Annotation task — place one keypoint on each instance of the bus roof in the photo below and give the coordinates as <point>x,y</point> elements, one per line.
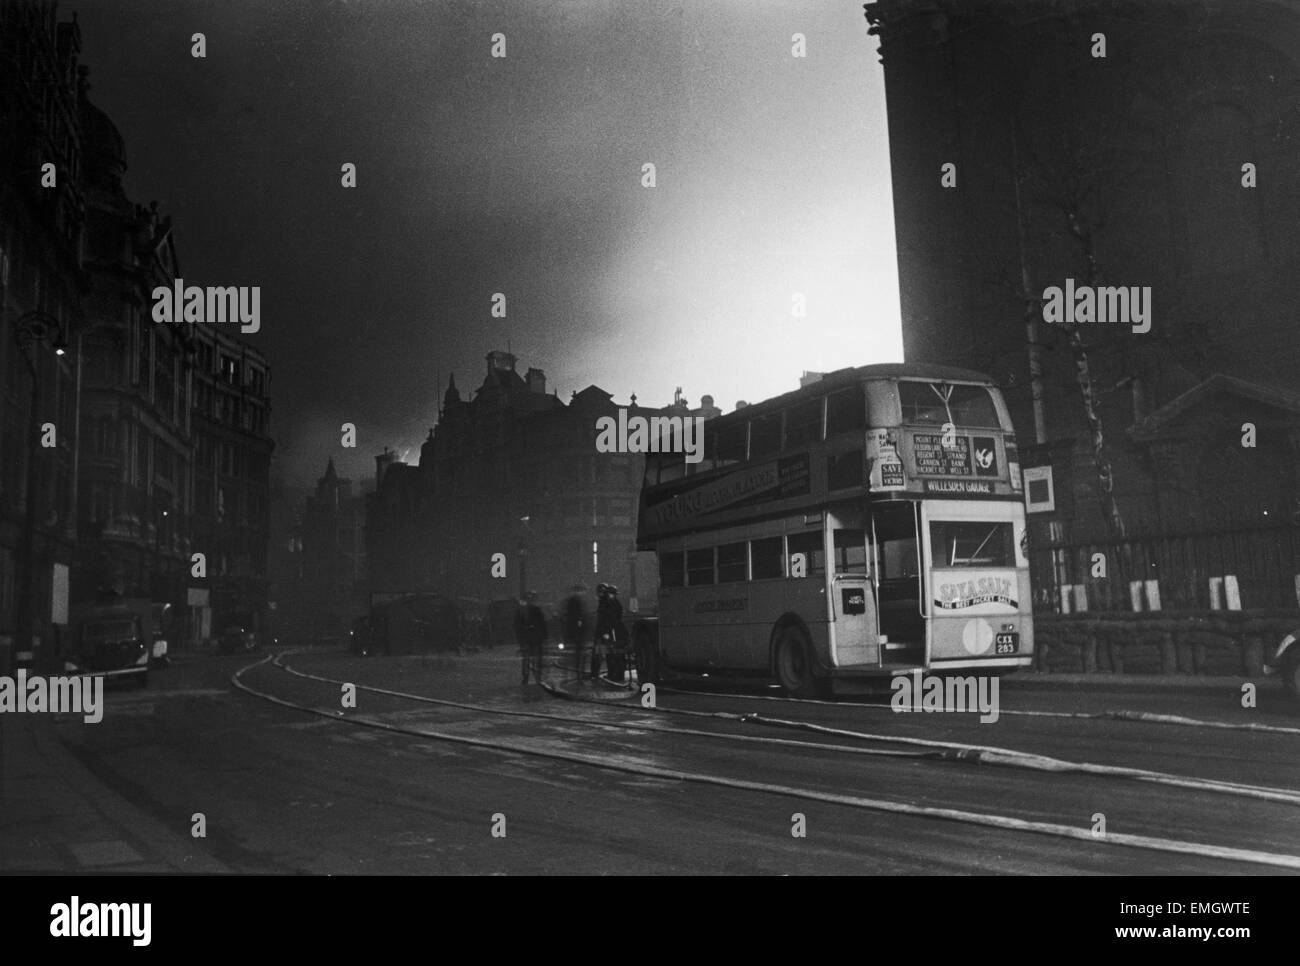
<point>858,374</point>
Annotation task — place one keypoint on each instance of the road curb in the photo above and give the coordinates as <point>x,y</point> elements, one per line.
<point>1141,682</point>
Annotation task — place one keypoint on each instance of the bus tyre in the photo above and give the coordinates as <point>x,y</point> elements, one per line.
<point>792,655</point>
<point>1291,670</point>
<point>646,653</point>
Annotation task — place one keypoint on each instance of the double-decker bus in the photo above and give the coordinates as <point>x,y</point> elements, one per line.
<point>868,524</point>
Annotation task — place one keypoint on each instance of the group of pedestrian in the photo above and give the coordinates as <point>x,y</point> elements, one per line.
<point>607,637</point>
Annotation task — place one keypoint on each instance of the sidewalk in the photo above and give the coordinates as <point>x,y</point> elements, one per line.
<point>55,816</point>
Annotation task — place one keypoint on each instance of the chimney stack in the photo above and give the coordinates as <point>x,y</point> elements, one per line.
<point>382,462</point>
<point>500,360</point>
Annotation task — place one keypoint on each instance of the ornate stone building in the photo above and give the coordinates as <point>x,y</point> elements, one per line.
<point>161,445</point>
<point>513,475</point>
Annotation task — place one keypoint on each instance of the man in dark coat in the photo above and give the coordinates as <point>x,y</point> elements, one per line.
<point>531,634</point>
<point>613,631</point>
<point>576,624</point>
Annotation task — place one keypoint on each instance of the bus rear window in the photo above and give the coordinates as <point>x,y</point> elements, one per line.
<point>954,544</point>
<point>935,403</point>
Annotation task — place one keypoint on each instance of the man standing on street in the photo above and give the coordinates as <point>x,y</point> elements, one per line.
<point>531,635</point>
<point>576,624</point>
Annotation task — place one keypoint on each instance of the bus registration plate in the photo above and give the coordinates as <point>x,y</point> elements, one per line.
<point>1006,643</point>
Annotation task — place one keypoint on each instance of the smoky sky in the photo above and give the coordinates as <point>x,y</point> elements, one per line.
<point>520,175</point>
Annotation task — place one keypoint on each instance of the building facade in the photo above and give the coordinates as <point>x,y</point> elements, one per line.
<point>331,590</point>
<point>1109,145</point>
<point>42,220</point>
<point>161,447</point>
<point>511,494</point>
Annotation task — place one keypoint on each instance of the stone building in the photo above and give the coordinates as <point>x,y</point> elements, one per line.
<point>42,220</point>
<point>332,591</point>
<point>1107,144</point>
<point>510,493</point>
<point>162,430</point>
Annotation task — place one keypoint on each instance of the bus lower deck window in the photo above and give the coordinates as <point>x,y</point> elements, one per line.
<point>850,551</point>
<point>766,554</point>
<point>954,544</point>
<point>733,562</point>
<point>810,545</point>
<point>672,568</point>
<point>699,567</point>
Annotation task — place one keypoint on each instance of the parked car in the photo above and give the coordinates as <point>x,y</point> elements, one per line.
<point>112,642</point>
<point>1285,662</point>
<point>237,638</point>
<point>162,627</point>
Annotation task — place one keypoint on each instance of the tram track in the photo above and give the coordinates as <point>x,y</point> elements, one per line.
<point>934,752</point>
<point>930,749</point>
<point>1143,717</point>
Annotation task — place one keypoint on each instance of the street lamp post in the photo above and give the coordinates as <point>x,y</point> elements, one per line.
<point>31,330</point>
<point>523,557</point>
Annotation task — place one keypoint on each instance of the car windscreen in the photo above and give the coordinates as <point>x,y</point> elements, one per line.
<point>110,629</point>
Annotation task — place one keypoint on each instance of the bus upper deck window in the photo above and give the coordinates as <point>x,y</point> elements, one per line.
<point>729,444</point>
<point>846,411</point>
<point>672,467</point>
<point>844,470</point>
<point>803,424</point>
<point>935,403</point>
<point>765,436</point>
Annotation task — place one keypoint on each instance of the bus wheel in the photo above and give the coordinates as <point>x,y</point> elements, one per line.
<point>1291,671</point>
<point>793,659</point>
<point>646,653</point>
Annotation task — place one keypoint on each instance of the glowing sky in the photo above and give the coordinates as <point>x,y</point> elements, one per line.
<point>519,175</point>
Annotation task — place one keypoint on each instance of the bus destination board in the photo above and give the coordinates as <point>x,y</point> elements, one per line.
<point>933,458</point>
